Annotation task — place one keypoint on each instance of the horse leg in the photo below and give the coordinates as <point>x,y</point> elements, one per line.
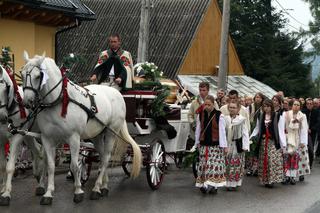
<point>74,143</point>
<point>101,185</point>
<point>38,163</point>
<point>50,149</point>
<point>15,141</point>
<point>3,162</point>
<point>107,152</point>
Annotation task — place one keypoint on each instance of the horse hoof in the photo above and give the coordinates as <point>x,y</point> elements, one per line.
<point>95,195</point>
<point>46,201</point>
<point>104,192</point>
<point>77,198</point>
<point>40,191</point>
<point>4,201</point>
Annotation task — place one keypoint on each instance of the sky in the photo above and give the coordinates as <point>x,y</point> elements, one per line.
<point>298,9</point>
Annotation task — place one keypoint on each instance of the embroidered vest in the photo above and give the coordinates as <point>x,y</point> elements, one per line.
<point>211,135</point>
<point>273,129</point>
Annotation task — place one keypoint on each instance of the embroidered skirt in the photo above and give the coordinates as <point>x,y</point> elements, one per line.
<point>304,165</point>
<point>291,164</point>
<point>235,169</point>
<point>270,163</point>
<point>211,169</point>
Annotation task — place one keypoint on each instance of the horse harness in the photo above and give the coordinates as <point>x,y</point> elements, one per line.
<point>7,104</point>
<point>91,112</point>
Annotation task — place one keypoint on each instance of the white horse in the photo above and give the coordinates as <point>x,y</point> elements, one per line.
<point>9,109</point>
<point>42,83</point>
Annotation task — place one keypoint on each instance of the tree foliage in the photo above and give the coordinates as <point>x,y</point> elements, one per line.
<point>314,26</point>
<point>267,52</point>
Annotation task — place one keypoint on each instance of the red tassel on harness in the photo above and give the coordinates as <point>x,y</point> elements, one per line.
<point>65,96</point>
<point>22,110</point>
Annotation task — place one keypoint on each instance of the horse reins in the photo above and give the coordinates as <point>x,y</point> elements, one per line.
<point>40,106</point>
<point>37,91</point>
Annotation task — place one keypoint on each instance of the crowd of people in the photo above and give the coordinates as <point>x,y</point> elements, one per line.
<point>275,139</point>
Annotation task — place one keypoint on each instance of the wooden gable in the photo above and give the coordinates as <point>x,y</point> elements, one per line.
<point>203,54</point>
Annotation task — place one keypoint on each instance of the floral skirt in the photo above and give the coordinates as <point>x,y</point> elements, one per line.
<point>252,164</point>
<point>235,169</point>
<point>211,169</point>
<point>270,163</point>
<point>304,165</point>
<point>291,164</point>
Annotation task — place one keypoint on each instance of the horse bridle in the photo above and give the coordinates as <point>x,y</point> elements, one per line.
<point>37,91</point>
<point>31,87</point>
<point>7,103</point>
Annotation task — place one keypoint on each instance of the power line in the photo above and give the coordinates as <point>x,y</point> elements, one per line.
<point>293,27</point>
<point>291,15</point>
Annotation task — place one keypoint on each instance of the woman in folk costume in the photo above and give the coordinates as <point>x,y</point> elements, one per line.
<point>238,142</point>
<point>255,110</point>
<point>210,137</point>
<point>296,158</point>
<point>271,138</point>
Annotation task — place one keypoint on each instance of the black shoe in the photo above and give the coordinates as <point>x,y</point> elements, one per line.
<point>270,186</point>
<point>292,181</point>
<point>286,181</point>
<point>249,173</point>
<point>203,190</point>
<point>301,178</point>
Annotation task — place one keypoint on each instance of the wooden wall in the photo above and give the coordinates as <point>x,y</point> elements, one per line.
<point>203,54</point>
<point>23,35</point>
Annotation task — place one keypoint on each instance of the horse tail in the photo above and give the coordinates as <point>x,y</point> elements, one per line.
<point>137,156</point>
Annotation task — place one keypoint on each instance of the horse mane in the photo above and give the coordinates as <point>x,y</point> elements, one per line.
<point>49,62</point>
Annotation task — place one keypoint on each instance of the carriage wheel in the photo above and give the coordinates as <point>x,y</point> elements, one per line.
<point>85,165</point>
<point>156,164</point>
<point>195,165</point>
<point>127,164</point>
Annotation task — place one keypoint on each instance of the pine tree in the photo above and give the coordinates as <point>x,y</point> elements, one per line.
<point>267,52</point>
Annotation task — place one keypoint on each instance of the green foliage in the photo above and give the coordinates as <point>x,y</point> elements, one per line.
<point>5,58</point>
<point>317,86</point>
<point>190,158</point>
<point>158,104</point>
<point>71,59</point>
<point>314,26</point>
<point>267,52</point>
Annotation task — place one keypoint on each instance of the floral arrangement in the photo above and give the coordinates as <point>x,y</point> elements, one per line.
<point>149,71</point>
<point>71,59</point>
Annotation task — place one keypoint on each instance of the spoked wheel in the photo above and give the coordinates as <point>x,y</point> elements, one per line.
<point>195,165</point>
<point>127,164</point>
<point>156,164</point>
<point>85,166</point>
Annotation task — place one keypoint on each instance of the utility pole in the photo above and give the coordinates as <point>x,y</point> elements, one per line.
<point>224,56</point>
<point>144,31</point>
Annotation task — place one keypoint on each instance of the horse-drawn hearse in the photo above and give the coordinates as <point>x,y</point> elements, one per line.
<point>63,112</point>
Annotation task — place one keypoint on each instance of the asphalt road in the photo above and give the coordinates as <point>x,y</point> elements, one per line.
<point>177,194</point>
